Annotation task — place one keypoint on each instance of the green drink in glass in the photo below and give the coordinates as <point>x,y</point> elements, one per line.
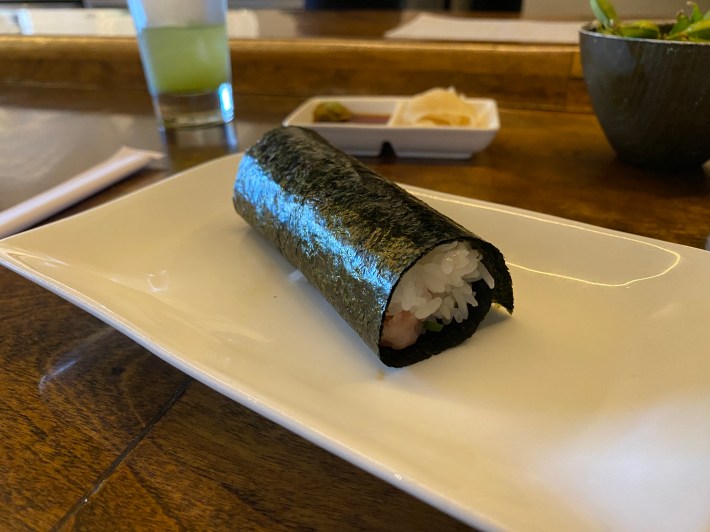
<point>186,61</point>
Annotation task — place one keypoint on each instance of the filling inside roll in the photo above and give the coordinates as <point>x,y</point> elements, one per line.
<point>435,291</point>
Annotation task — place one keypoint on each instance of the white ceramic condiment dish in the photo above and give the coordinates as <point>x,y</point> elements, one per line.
<point>367,138</point>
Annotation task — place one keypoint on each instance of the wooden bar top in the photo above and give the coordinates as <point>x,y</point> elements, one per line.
<point>328,52</point>
<point>98,433</point>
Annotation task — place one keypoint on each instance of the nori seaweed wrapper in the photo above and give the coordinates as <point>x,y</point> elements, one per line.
<point>353,234</point>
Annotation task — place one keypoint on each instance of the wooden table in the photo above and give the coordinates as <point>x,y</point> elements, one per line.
<point>98,433</point>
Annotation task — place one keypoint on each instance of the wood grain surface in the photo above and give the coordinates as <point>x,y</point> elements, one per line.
<point>76,394</point>
<point>97,433</point>
<point>331,53</point>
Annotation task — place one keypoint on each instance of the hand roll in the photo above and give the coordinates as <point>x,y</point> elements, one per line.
<point>410,281</point>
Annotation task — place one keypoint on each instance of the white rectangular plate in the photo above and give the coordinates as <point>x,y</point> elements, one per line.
<point>442,142</point>
<point>587,409</point>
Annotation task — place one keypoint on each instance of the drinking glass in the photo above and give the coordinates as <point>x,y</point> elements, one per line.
<point>184,49</point>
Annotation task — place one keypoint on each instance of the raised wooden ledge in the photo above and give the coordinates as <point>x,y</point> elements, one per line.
<point>517,75</point>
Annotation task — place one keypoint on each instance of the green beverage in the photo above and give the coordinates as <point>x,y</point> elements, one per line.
<point>189,73</point>
<point>187,59</point>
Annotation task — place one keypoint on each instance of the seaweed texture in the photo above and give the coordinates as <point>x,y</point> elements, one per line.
<point>353,233</point>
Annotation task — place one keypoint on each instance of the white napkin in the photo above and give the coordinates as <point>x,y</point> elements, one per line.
<point>120,165</point>
<point>447,28</point>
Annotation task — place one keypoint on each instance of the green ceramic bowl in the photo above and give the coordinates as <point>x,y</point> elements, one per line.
<point>651,97</point>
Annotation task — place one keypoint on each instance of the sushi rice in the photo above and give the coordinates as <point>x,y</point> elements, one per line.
<point>435,291</point>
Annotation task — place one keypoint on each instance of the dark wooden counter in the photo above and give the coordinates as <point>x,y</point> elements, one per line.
<point>97,433</point>
<point>524,76</point>
<point>334,53</point>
